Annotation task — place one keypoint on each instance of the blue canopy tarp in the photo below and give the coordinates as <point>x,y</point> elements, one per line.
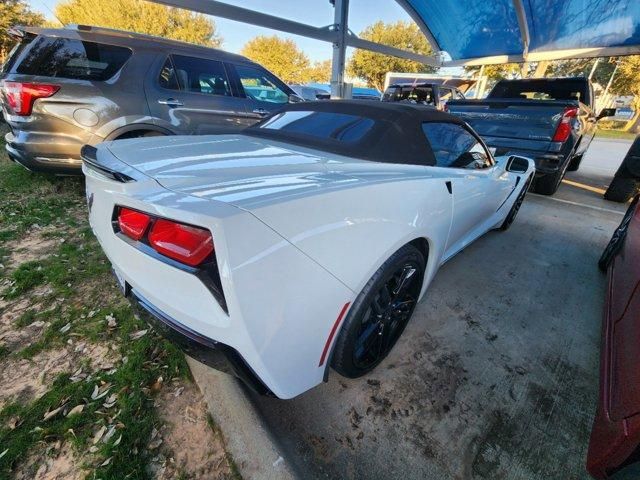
<point>515,30</point>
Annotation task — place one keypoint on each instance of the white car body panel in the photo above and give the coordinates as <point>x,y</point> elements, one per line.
<point>297,234</point>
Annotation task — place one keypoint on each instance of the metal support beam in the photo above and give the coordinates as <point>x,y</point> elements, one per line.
<point>245,15</point>
<point>341,27</point>
<point>325,34</point>
<point>524,27</point>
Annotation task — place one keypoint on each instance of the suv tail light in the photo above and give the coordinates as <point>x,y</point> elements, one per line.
<point>564,128</point>
<point>184,243</point>
<point>21,96</point>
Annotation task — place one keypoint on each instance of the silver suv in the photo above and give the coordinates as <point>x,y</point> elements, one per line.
<point>63,88</point>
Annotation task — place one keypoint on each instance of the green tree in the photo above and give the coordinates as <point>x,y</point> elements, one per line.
<point>142,17</point>
<point>280,56</point>
<point>320,72</point>
<point>372,67</point>
<point>627,82</point>
<point>14,12</point>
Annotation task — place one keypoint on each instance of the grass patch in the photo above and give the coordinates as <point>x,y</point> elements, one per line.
<point>615,134</point>
<point>147,359</point>
<point>76,261</point>
<point>75,288</point>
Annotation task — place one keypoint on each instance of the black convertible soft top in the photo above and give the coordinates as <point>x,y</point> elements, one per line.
<point>370,130</point>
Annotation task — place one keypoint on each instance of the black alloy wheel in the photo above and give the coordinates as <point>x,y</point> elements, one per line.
<point>380,313</point>
<point>515,208</point>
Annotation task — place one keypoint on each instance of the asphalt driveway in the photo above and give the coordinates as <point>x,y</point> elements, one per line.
<point>496,376</point>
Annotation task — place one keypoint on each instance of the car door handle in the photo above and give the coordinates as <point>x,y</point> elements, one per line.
<point>260,111</point>
<point>171,102</point>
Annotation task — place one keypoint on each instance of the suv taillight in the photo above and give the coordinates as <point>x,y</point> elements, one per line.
<point>564,127</point>
<point>20,96</point>
<point>185,243</point>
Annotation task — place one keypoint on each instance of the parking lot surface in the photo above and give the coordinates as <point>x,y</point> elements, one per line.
<point>496,375</point>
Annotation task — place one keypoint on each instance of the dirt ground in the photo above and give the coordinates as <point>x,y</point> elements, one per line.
<point>87,389</point>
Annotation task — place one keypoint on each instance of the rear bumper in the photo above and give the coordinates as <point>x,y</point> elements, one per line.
<point>209,352</point>
<point>45,153</point>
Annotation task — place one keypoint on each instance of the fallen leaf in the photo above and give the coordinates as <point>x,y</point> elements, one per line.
<point>75,410</point>
<point>98,436</point>
<point>106,462</point>
<point>138,334</point>
<point>4,453</point>
<point>109,434</point>
<point>178,391</point>
<point>155,444</point>
<point>52,413</point>
<point>117,442</point>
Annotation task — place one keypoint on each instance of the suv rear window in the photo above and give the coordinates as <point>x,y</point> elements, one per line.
<point>15,53</point>
<point>75,59</point>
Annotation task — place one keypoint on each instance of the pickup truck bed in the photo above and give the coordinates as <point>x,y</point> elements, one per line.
<point>554,133</point>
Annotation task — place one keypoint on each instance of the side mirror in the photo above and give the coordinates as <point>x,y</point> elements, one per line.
<point>293,98</point>
<point>517,164</point>
<point>607,112</point>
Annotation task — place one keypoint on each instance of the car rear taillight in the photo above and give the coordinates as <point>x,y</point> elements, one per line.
<point>564,127</point>
<point>21,96</point>
<point>132,223</point>
<point>184,243</point>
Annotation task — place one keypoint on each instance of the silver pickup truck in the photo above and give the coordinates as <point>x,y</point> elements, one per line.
<point>551,120</point>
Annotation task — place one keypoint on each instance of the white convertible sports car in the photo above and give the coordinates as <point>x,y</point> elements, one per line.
<point>301,243</point>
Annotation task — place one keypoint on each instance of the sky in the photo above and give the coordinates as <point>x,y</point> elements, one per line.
<point>313,12</point>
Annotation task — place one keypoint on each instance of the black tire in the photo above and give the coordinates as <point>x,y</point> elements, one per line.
<point>617,239</point>
<point>515,208</point>
<point>621,189</point>
<point>574,164</point>
<point>379,314</point>
<point>547,184</point>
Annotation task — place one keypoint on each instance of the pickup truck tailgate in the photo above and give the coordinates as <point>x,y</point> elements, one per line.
<point>509,123</point>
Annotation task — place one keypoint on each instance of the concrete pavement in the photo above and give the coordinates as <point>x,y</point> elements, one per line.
<point>496,375</point>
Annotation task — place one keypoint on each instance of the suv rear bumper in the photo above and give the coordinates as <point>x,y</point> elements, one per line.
<point>45,154</point>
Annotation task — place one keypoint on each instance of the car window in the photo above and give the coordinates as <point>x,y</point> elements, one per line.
<point>445,96</point>
<point>260,85</point>
<point>453,146</point>
<point>75,59</point>
<point>541,89</point>
<point>325,125</point>
<point>168,78</point>
<point>15,52</point>
<point>199,75</point>
<point>422,95</point>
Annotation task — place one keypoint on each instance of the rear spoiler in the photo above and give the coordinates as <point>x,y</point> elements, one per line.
<point>110,167</point>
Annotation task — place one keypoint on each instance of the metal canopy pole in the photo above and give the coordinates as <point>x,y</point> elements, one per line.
<point>338,62</point>
<point>524,27</point>
<point>326,34</point>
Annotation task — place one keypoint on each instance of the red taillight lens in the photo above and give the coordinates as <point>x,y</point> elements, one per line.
<point>564,128</point>
<point>133,223</point>
<point>186,244</point>
<point>21,96</point>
